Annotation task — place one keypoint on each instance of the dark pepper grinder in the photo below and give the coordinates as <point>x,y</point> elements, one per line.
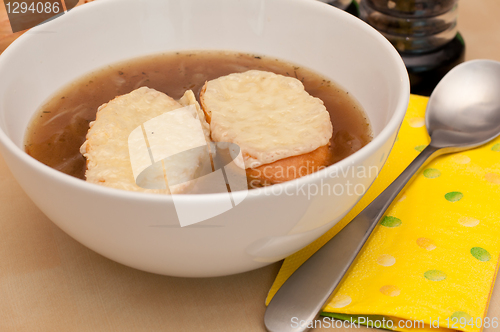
<point>349,6</point>
<point>425,34</point>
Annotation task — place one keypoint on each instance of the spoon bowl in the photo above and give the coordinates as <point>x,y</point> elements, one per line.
<point>464,109</point>
<point>463,112</point>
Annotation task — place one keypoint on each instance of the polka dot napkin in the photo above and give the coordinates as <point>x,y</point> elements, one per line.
<point>433,259</point>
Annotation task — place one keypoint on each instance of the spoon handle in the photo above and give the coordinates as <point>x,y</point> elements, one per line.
<point>301,298</point>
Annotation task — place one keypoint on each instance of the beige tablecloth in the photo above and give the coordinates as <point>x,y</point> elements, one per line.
<point>49,282</point>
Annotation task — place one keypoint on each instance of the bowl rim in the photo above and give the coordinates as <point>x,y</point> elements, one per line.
<point>389,128</point>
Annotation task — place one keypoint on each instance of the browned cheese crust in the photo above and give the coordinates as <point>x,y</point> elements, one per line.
<point>285,169</point>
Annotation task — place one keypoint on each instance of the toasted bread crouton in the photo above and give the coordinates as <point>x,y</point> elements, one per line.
<point>273,119</point>
<point>119,130</point>
<point>288,169</point>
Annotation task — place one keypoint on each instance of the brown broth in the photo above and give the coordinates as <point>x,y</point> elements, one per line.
<point>59,127</point>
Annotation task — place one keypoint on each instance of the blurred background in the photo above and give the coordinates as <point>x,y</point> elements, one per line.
<point>478,23</point>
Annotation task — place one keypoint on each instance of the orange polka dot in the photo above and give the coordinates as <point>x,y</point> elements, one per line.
<point>416,122</point>
<point>493,178</point>
<point>460,159</point>
<point>340,301</point>
<point>386,260</point>
<point>390,290</point>
<point>468,221</point>
<point>426,243</point>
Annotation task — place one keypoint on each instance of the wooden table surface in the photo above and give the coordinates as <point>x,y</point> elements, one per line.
<point>50,282</point>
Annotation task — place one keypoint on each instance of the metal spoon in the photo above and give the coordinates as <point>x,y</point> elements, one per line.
<point>463,112</point>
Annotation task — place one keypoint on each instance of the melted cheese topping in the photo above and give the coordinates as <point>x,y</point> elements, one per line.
<point>270,116</point>
<point>115,141</point>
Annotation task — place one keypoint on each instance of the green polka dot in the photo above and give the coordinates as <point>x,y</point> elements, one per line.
<point>460,314</point>
<point>496,147</point>
<point>435,275</point>
<point>454,196</point>
<point>432,173</point>
<point>420,148</point>
<point>391,221</point>
<point>480,254</point>
<point>397,139</point>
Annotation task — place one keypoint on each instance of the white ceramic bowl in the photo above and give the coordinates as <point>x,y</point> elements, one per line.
<point>141,230</point>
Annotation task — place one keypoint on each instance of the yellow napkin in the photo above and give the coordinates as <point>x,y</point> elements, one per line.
<point>433,259</point>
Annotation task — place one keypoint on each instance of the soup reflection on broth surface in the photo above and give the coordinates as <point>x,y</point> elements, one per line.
<point>59,127</point>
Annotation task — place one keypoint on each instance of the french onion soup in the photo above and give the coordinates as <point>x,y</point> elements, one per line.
<point>288,121</point>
